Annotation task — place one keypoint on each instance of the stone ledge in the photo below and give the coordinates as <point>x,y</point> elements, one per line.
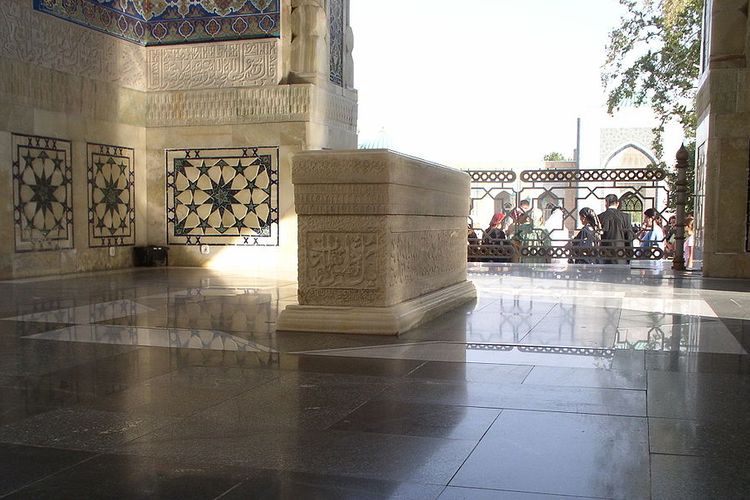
<point>376,320</point>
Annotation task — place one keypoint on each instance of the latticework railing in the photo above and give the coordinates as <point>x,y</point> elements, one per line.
<point>566,190</point>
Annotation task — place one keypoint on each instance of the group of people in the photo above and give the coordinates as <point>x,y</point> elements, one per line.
<point>613,228</point>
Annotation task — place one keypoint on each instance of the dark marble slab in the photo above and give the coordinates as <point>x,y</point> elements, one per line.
<point>22,465</point>
<point>456,493</point>
<point>81,429</point>
<point>521,396</point>
<point>350,366</point>
<point>685,478</point>
<point>472,372</point>
<point>290,485</point>
<point>414,459</point>
<point>727,439</point>
<point>699,362</point>
<point>699,396</point>
<point>295,400</point>
<point>413,419</point>
<point>563,454</point>
<point>587,377</point>
<point>122,476</point>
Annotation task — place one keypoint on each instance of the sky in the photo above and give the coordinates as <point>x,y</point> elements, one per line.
<point>469,82</point>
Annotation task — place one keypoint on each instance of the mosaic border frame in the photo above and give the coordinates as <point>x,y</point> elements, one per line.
<point>64,146</point>
<point>251,239</point>
<point>167,28</point>
<point>120,152</point>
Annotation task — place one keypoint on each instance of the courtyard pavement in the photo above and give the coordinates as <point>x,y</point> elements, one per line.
<point>559,381</point>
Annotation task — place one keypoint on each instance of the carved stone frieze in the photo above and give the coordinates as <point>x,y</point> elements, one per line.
<point>41,40</point>
<point>217,65</point>
<point>229,106</point>
<point>341,199</point>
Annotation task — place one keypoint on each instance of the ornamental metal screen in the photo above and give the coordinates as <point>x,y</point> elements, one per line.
<point>541,209</point>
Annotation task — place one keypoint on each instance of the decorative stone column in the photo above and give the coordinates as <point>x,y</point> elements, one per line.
<point>382,242</point>
<point>678,262</point>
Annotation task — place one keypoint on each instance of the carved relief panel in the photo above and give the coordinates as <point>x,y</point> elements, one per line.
<point>341,260</point>
<point>111,193</point>
<point>42,193</point>
<point>223,196</point>
<point>237,64</point>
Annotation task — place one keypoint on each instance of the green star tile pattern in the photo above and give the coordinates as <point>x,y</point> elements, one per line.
<point>111,192</point>
<point>223,196</point>
<point>42,193</point>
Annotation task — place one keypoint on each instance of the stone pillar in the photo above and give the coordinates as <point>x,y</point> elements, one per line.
<point>382,242</point>
<point>723,139</point>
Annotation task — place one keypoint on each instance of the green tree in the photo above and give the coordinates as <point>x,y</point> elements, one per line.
<point>555,156</point>
<point>653,59</point>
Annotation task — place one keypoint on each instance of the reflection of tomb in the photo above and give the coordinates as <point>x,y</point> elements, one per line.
<point>237,310</point>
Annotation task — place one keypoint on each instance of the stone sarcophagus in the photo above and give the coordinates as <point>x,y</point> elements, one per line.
<point>382,242</point>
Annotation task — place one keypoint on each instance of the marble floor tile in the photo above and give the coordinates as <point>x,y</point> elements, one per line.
<point>563,454</point>
<point>699,396</point>
<point>294,400</point>
<point>685,478</point>
<point>587,377</point>
<point>457,493</point>
<point>24,465</point>
<point>521,397</point>
<point>81,429</point>
<point>412,459</point>
<point>271,485</point>
<point>414,419</point>
<point>122,476</point>
<point>471,372</point>
<point>700,438</point>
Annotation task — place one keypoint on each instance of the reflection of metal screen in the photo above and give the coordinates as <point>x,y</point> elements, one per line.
<point>632,205</point>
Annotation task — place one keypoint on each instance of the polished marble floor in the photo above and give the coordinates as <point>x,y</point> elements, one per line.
<point>559,381</point>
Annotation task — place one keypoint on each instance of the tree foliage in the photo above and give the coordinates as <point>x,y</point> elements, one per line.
<point>555,156</point>
<point>653,59</point>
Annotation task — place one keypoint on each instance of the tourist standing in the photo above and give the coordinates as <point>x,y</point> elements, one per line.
<point>587,239</point>
<point>651,235</point>
<point>689,240</point>
<point>617,231</point>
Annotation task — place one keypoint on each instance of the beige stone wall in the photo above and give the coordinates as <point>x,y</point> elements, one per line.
<point>61,80</point>
<point>723,105</point>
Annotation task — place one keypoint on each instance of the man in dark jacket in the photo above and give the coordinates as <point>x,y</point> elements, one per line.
<point>617,231</point>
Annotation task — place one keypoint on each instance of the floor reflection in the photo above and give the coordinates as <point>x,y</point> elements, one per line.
<point>152,337</point>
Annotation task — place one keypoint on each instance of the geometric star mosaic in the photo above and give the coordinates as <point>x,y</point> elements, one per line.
<point>166,22</point>
<point>223,196</point>
<point>111,192</point>
<point>42,193</point>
